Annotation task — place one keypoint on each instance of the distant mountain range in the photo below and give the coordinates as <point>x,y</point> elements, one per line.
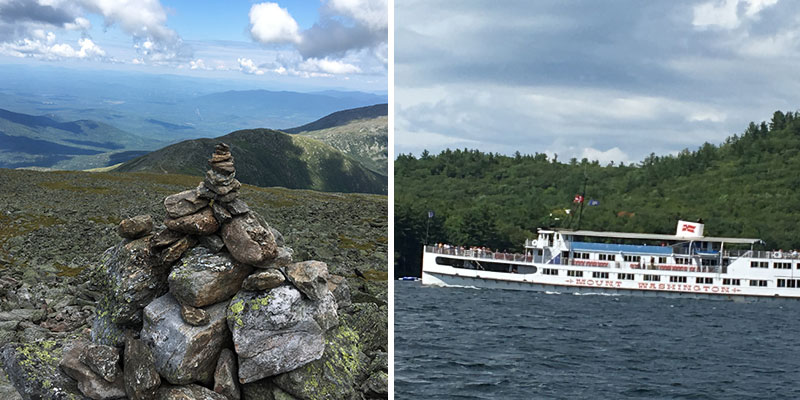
<point>266,157</point>
<point>41,141</point>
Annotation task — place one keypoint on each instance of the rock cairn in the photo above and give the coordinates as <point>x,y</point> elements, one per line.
<point>212,306</point>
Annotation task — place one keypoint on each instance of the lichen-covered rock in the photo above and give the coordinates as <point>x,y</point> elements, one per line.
<point>33,370</point>
<point>105,331</point>
<point>264,280</point>
<point>141,379</point>
<point>184,203</point>
<point>225,376</point>
<point>371,323</point>
<point>184,353</point>
<point>102,360</point>
<point>341,290</point>
<point>90,383</point>
<point>194,316</point>
<point>273,332</point>
<point>325,314</point>
<point>220,213</point>
<point>199,223</point>
<point>135,227</point>
<point>204,278</point>
<point>248,241</point>
<point>133,276</point>
<point>188,392</point>
<point>311,277</point>
<point>237,207</point>
<point>335,376</point>
<point>165,237</point>
<point>264,390</point>
<point>376,386</point>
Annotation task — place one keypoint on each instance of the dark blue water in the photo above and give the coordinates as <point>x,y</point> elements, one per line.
<point>456,343</point>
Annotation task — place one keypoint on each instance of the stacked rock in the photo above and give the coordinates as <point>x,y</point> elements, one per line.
<point>207,304</point>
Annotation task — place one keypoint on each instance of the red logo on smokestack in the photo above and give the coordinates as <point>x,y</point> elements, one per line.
<point>688,228</point>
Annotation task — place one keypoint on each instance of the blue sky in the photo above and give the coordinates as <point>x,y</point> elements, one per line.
<point>606,80</point>
<point>328,43</point>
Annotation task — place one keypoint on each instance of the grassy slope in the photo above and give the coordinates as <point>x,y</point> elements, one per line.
<point>364,139</point>
<point>268,158</point>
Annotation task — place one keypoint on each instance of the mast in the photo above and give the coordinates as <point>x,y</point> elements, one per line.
<point>583,197</point>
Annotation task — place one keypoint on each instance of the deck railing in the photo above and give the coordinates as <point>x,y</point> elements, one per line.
<point>481,254</point>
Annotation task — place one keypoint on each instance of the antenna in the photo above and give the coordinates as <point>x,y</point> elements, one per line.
<point>583,195</point>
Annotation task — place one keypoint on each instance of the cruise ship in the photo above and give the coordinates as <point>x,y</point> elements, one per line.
<point>687,264</point>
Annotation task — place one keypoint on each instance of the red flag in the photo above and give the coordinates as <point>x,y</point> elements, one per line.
<point>578,199</point>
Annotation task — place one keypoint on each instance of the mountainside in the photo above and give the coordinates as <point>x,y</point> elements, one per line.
<point>40,141</point>
<point>342,118</point>
<point>365,140</point>
<point>745,187</point>
<point>268,158</point>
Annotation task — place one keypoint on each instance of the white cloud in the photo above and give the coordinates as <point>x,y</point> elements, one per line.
<point>198,64</point>
<point>269,23</point>
<point>373,13</point>
<point>43,46</point>
<point>614,154</point>
<point>247,66</point>
<point>327,66</point>
<point>724,14</point>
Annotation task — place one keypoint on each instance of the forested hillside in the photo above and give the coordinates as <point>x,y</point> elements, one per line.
<point>746,186</point>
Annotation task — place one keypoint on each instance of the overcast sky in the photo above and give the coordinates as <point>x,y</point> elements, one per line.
<point>328,43</point>
<point>607,80</point>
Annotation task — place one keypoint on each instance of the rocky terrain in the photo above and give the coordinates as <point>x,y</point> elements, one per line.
<point>67,300</point>
<point>365,140</point>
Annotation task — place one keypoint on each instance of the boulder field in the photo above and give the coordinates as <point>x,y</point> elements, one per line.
<point>211,305</point>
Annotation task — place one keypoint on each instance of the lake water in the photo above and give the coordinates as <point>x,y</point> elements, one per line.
<point>461,343</point>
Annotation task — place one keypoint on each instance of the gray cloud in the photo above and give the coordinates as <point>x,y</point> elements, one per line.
<point>566,76</point>
<point>332,38</point>
<point>15,11</point>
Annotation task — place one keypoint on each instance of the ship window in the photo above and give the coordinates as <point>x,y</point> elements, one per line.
<point>781,282</point>
<point>574,273</point>
<point>549,271</point>
<point>627,277</point>
<point>782,265</point>
<point>791,283</point>
<point>539,252</point>
<point>602,275</point>
<point>681,260</point>
<point>759,264</point>
<point>677,279</point>
<point>756,282</point>
<point>607,257</point>
<point>707,281</point>
<point>629,258</point>
<point>662,260</point>
<point>731,282</point>
<point>656,278</point>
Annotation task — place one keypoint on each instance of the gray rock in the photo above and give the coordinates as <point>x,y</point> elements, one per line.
<point>376,386</point>
<point>223,167</point>
<point>325,314</point>
<point>141,379</point>
<point>227,198</point>
<point>220,213</point>
<point>273,332</point>
<point>311,277</point>
<point>335,375</point>
<point>225,376</point>
<point>188,392</point>
<point>212,242</point>
<point>264,390</point>
<point>224,190</point>
<point>184,203</point>
<point>184,353</point>
<point>204,192</point>
<point>264,280</point>
<point>33,370</point>
<point>204,278</point>
<point>132,276</point>
<point>90,383</point>
<point>217,179</point>
<point>341,290</point>
<point>135,227</point>
<point>103,360</point>
<point>199,223</point>
<point>248,241</point>
<point>238,207</point>
<point>194,316</point>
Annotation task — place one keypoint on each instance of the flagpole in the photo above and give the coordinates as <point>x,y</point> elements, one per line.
<point>583,198</point>
<point>427,225</point>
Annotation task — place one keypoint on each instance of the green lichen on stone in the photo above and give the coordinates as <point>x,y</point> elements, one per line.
<point>259,302</point>
<point>40,361</point>
<point>235,316</point>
